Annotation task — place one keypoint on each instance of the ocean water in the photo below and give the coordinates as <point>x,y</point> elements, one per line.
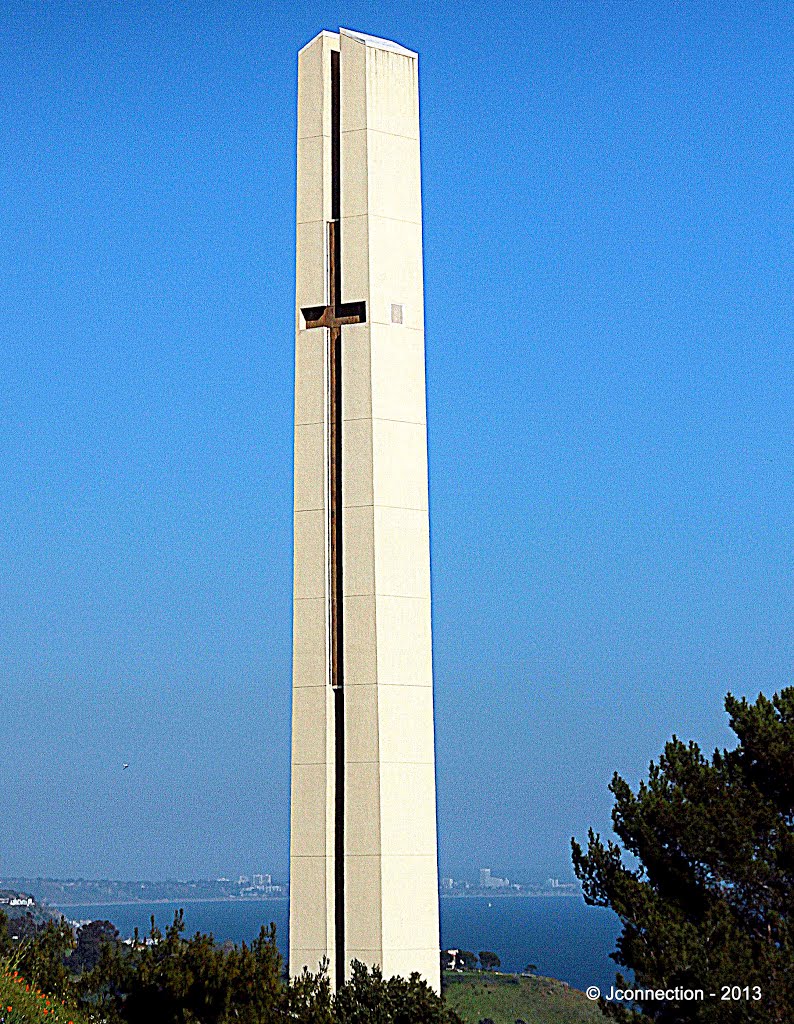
<point>564,937</point>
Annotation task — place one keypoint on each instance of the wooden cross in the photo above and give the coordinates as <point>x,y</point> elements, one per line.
<point>334,316</point>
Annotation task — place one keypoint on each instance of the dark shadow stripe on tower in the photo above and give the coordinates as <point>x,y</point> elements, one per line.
<point>336,526</point>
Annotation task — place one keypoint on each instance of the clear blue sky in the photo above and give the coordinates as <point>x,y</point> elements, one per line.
<point>608,264</point>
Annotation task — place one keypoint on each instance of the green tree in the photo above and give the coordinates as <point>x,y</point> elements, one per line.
<point>489,960</point>
<point>467,960</point>
<point>20,929</point>
<point>368,998</point>
<point>90,939</point>
<point>42,958</point>
<point>6,943</point>
<point>173,980</point>
<point>309,999</point>
<point>102,989</point>
<point>707,900</point>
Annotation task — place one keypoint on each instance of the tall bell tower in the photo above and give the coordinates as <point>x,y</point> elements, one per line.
<point>363,853</point>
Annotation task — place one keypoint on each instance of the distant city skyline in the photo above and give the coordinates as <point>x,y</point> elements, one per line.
<point>475,878</point>
<point>60,894</point>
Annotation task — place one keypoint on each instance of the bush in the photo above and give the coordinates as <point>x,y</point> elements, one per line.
<point>168,979</point>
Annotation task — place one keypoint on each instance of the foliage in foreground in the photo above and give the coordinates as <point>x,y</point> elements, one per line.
<point>171,980</point>
<point>709,905</point>
<point>39,958</point>
<point>23,1003</point>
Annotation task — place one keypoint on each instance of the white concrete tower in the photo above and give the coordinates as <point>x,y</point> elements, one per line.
<point>363,858</point>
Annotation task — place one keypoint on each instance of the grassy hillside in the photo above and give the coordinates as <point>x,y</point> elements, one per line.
<point>22,1003</point>
<point>507,998</point>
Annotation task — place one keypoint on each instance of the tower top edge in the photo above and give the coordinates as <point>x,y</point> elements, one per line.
<point>377,43</point>
<point>374,41</point>
<point>332,37</point>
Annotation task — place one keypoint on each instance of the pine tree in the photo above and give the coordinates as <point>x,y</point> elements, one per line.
<point>709,903</point>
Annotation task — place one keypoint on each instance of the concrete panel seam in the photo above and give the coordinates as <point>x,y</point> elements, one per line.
<point>388,323</point>
<point>391,856</point>
<point>380,504</point>
<point>382,760</point>
<point>380,131</point>
<point>378,216</point>
<point>402,686</point>
<point>380,419</point>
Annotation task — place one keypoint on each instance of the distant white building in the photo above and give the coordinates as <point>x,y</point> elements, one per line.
<point>489,881</point>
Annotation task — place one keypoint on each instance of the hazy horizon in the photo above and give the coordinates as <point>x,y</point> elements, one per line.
<point>537,879</point>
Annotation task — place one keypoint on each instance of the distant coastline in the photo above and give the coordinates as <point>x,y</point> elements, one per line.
<point>67,894</point>
<point>522,895</point>
<point>63,905</point>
